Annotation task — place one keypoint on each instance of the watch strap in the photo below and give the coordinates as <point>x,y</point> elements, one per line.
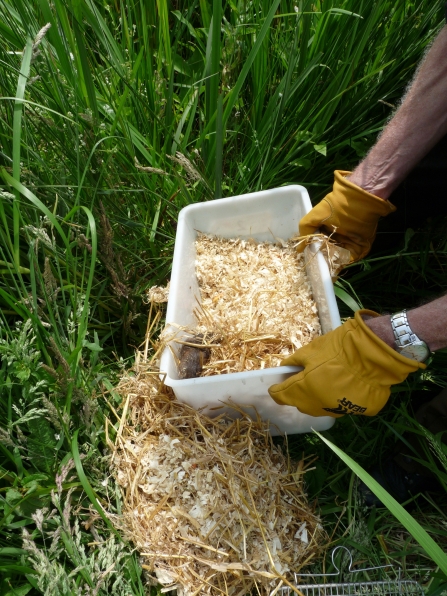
<point>403,335</point>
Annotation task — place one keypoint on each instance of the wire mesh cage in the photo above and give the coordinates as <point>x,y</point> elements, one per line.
<point>383,587</point>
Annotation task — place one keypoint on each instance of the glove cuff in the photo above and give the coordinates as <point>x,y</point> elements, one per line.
<point>400,365</point>
<point>376,205</point>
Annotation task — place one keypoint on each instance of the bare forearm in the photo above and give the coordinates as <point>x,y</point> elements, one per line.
<point>419,123</point>
<point>428,322</point>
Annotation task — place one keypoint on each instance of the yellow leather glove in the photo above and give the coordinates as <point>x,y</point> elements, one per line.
<point>347,371</point>
<point>352,211</point>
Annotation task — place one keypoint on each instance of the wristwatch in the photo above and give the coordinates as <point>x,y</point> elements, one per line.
<point>408,343</point>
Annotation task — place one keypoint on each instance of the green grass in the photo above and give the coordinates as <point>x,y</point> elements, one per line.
<point>123,114</point>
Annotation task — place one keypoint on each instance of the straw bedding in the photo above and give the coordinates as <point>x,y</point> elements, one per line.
<point>256,303</point>
<point>212,505</point>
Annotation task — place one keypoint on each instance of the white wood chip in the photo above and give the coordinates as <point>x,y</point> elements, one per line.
<point>212,505</point>
<point>256,301</point>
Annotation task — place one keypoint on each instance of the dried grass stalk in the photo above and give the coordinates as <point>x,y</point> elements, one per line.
<point>211,504</point>
<point>255,299</point>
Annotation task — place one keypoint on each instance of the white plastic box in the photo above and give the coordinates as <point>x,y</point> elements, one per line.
<point>262,216</point>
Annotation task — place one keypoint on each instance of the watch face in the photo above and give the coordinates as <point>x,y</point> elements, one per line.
<point>419,352</point>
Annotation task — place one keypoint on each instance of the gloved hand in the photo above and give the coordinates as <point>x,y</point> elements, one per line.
<point>347,371</point>
<point>352,211</point>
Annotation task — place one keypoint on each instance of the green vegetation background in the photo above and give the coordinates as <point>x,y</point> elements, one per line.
<point>117,117</point>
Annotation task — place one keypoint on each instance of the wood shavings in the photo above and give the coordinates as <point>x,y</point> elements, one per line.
<point>335,256</point>
<point>212,505</point>
<point>158,294</point>
<point>255,299</point>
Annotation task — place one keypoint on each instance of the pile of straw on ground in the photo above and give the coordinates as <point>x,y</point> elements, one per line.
<point>212,506</point>
<point>256,302</point>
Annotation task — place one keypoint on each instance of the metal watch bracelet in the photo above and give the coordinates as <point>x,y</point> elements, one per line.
<point>403,335</point>
<point>408,343</point>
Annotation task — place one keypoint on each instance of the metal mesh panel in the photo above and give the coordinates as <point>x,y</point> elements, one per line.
<point>377,588</point>
<point>387,587</point>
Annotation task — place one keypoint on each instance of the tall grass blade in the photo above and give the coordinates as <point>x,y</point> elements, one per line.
<point>219,150</point>
<point>234,93</point>
<point>56,40</point>
<point>86,70</point>
<point>406,519</point>
<point>205,13</point>
<point>259,72</point>
<point>212,72</point>
<point>346,298</point>
<point>17,186</point>
<point>16,141</point>
<point>212,77</point>
<point>163,15</point>
<point>86,484</point>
